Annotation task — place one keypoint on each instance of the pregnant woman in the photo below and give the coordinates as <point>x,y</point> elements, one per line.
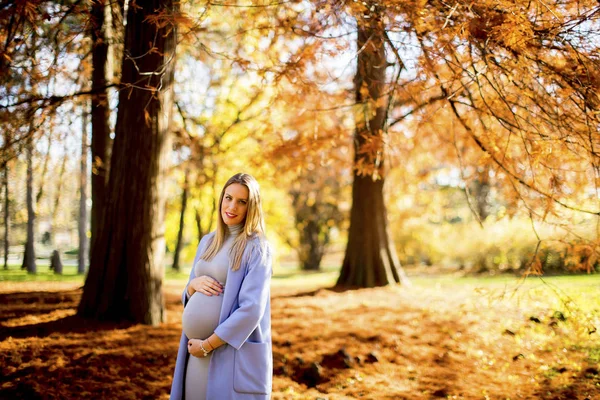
<point>225,348</point>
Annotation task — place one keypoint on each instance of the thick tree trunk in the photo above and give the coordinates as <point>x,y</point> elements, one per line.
<point>126,270</point>
<point>100,112</point>
<point>184,197</point>
<point>6,215</point>
<point>29,254</point>
<point>370,259</point>
<point>82,222</point>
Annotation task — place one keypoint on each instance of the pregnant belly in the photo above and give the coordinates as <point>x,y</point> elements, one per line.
<point>201,315</point>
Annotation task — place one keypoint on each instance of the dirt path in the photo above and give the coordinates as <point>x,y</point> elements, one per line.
<point>386,343</point>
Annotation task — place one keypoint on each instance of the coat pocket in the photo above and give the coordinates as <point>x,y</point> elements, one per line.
<point>252,371</point>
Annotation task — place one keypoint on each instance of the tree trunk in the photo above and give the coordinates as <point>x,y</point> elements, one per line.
<point>184,197</point>
<point>40,193</point>
<point>6,215</point>
<point>55,263</point>
<point>59,191</point>
<point>126,270</point>
<point>199,224</point>
<point>82,222</point>
<point>312,248</point>
<point>100,112</point>
<point>29,254</point>
<point>481,192</point>
<point>370,259</point>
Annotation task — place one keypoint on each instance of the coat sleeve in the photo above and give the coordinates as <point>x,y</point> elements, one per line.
<point>252,299</point>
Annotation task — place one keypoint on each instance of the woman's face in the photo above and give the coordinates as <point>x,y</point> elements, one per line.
<point>235,204</point>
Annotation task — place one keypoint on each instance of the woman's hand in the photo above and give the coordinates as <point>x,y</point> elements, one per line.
<point>195,347</point>
<point>205,285</point>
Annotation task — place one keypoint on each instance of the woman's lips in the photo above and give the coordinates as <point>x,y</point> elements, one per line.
<point>230,215</point>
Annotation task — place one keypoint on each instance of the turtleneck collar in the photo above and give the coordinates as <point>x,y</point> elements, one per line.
<point>235,230</point>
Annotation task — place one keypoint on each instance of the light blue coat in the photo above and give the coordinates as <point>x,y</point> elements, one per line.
<point>242,369</point>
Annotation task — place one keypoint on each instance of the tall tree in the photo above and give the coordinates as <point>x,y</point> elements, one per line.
<point>126,270</point>
<point>178,246</point>
<point>481,188</point>
<point>29,254</point>
<point>57,196</point>
<point>6,213</point>
<point>370,258</point>
<point>82,221</point>
<point>100,111</point>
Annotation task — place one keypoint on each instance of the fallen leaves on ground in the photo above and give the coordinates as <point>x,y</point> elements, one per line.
<point>382,343</point>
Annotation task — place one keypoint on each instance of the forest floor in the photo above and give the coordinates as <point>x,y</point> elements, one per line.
<point>439,338</point>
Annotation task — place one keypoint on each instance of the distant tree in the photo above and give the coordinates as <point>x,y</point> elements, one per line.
<point>57,196</point>
<point>316,204</point>
<point>481,188</point>
<point>184,197</point>
<point>56,264</point>
<point>29,253</point>
<point>6,216</point>
<point>83,215</point>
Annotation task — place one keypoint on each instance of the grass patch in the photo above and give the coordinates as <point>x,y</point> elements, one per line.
<point>14,273</point>
<point>44,274</point>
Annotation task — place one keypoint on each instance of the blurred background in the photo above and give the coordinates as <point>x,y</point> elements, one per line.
<point>487,146</point>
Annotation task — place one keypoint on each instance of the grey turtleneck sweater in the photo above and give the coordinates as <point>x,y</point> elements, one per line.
<point>201,314</point>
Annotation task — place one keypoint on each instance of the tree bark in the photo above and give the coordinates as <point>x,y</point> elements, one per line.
<point>100,112</point>
<point>184,197</point>
<point>29,254</point>
<point>126,270</point>
<point>6,215</point>
<point>82,222</point>
<point>370,258</point>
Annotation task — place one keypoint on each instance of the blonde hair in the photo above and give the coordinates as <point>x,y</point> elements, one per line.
<point>254,223</point>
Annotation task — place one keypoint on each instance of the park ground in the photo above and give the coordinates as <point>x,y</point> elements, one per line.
<point>441,337</point>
